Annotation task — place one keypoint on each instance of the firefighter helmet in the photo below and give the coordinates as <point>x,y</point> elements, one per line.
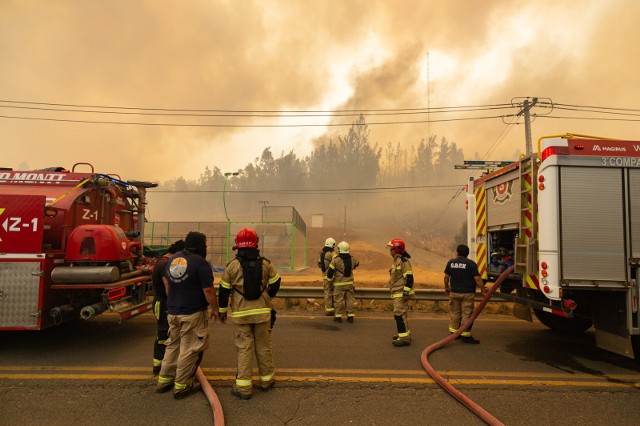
<point>343,247</point>
<point>398,245</point>
<point>247,238</point>
<point>330,242</point>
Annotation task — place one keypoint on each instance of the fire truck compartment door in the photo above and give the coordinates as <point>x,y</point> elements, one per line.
<point>634,206</point>
<point>503,201</point>
<point>21,223</point>
<point>592,227</point>
<point>19,294</point>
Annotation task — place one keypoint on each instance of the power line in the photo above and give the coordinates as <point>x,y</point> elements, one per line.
<point>566,117</point>
<point>373,123</point>
<point>241,112</point>
<point>315,191</point>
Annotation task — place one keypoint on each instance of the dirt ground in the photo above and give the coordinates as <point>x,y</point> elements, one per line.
<point>369,247</point>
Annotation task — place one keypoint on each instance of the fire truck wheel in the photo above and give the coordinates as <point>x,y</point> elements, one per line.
<point>563,324</point>
<point>635,342</point>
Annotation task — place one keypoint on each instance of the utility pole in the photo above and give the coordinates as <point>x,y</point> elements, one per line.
<point>526,107</point>
<point>428,100</point>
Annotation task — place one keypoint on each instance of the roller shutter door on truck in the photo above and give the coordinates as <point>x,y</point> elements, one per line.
<point>592,224</point>
<point>634,205</point>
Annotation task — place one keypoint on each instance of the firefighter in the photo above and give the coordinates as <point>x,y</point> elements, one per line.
<point>160,305</point>
<point>401,285</point>
<point>188,279</point>
<point>326,256</point>
<point>340,274</point>
<point>461,277</point>
<point>250,281</point>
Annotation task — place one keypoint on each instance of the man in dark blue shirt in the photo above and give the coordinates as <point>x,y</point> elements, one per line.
<point>461,277</point>
<point>188,280</point>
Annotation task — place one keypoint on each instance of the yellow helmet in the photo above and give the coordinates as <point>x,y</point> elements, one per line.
<point>330,242</point>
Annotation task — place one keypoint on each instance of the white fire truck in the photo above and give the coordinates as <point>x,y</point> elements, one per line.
<point>568,219</point>
<point>70,247</point>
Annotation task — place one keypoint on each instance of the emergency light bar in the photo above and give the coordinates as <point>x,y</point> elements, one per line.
<point>479,164</point>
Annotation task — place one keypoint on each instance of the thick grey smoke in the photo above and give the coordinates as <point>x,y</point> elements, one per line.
<point>282,55</point>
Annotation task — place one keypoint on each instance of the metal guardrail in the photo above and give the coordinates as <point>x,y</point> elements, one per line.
<point>371,293</point>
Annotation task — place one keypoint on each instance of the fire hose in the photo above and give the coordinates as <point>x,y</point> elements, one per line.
<point>216,407</point>
<point>464,400</point>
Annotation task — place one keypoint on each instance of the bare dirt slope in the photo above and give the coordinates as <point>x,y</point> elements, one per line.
<point>369,247</point>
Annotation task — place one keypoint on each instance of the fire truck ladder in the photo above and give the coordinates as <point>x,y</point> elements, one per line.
<point>526,243</point>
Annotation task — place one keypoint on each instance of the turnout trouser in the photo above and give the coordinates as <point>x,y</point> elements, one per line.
<point>344,300</point>
<point>253,339</point>
<point>159,345</point>
<point>188,339</point>
<point>400,315</point>
<point>328,295</point>
<point>461,309</point>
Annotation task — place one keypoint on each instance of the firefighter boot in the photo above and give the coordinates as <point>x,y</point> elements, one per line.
<point>164,384</point>
<point>401,342</point>
<point>268,387</point>
<point>470,339</point>
<point>179,394</point>
<point>236,392</point>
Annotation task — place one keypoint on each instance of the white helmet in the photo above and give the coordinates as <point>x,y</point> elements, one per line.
<point>343,247</point>
<point>330,242</point>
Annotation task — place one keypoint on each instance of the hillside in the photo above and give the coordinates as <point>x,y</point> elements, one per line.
<point>369,247</point>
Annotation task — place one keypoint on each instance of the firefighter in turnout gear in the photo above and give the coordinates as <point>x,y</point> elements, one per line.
<point>188,279</point>
<point>461,277</point>
<point>401,285</point>
<point>248,283</point>
<point>340,274</point>
<point>160,305</point>
<point>326,256</point>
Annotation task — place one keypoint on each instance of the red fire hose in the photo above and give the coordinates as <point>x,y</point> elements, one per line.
<point>475,408</point>
<point>216,407</point>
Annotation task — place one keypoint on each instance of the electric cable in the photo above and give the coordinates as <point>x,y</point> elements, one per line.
<point>464,400</point>
<point>278,112</point>
<point>228,125</point>
<point>316,191</point>
<point>266,114</point>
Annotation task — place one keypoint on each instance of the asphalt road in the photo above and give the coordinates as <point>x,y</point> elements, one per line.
<point>99,372</point>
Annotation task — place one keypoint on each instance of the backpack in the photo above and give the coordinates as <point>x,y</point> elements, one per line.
<point>252,274</point>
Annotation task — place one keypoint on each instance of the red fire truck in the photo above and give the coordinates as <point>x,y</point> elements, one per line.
<point>568,219</point>
<point>70,247</point>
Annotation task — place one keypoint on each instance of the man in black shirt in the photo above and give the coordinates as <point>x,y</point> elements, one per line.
<point>461,277</point>
<point>188,279</point>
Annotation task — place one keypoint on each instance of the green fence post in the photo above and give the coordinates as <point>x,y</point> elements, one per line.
<point>228,239</point>
<point>293,246</point>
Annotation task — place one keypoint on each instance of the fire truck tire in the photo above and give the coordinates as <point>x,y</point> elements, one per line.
<point>563,324</point>
<point>635,343</point>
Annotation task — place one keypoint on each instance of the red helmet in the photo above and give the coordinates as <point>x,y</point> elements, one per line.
<point>397,244</point>
<point>247,238</point>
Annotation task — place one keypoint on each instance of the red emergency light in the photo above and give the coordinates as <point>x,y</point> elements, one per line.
<point>554,150</point>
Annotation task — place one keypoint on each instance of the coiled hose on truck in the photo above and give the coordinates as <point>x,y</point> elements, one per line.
<point>475,408</point>
<point>216,407</point>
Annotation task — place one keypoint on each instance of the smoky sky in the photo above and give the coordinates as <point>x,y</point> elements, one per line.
<point>269,55</point>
